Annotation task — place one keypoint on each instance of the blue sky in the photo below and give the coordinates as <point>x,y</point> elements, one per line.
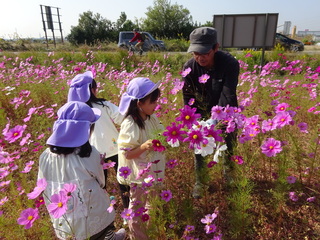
<point>23,17</point>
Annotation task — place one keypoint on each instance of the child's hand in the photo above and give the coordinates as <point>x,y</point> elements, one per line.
<point>147,145</point>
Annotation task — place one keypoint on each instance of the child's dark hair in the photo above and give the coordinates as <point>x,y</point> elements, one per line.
<point>133,109</point>
<point>93,98</point>
<point>83,151</point>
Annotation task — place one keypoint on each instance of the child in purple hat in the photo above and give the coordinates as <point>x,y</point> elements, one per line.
<point>75,179</point>
<point>104,137</point>
<point>136,152</point>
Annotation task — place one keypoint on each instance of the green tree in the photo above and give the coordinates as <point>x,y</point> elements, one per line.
<point>123,24</point>
<point>91,29</point>
<point>168,20</point>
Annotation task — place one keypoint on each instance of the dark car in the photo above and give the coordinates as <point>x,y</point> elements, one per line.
<point>150,43</point>
<point>289,43</point>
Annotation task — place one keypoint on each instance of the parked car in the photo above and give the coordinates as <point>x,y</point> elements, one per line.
<point>289,43</point>
<point>150,44</point>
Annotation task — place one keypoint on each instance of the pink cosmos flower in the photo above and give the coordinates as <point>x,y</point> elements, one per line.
<point>127,214</point>
<point>237,159</point>
<point>208,219</point>
<point>188,116</point>
<point>268,125</point>
<point>166,195</point>
<point>271,147</point>
<point>41,186</point>
<point>293,196</point>
<point>58,205</point>
<point>157,146</point>
<point>3,200</point>
<point>14,133</point>
<point>215,133</point>
<point>217,112</point>
<point>211,228</point>
<point>28,167</point>
<point>108,165</point>
<point>204,78</point>
<point>124,172</point>
<point>191,101</point>
<point>27,217</point>
<point>189,228</point>
<point>303,127</point>
<point>172,163</point>
<point>174,134</point>
<point>68,189</point>
<point>281,107</point>
<point>282,119</point>
<point>311,199</point>
<point>111,207</point>
<point>291,179</point>
<point>185,72</point>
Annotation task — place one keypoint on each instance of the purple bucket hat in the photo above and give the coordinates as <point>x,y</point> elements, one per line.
<point>72,129</point>
<point>79,87</point>
<point>137,88</point>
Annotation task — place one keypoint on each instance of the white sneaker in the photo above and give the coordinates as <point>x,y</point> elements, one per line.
<point>120,234</point>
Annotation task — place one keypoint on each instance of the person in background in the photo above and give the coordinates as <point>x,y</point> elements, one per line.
<point>83,88</point>
<point>140,41</point>
<point>222,72</point>
<point>74,175</point>
<point>136,152</point>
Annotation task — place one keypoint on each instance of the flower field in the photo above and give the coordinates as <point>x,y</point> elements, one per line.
<point>271,192</point>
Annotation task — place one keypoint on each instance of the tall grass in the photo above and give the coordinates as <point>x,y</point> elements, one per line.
<point>256,205</point>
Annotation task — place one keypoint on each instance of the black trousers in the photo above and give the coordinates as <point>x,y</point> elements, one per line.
<point>124,189</point>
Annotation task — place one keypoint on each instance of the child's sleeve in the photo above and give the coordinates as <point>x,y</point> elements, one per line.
<point>128,136</point>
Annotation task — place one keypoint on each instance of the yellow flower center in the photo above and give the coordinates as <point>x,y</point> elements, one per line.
<point>60,204</point>
<point>15,134</point>
<point>195,136</point>
<point>174,133</point>
<point>187,117</point>
<point>271,147</point>
<point>30,218</point>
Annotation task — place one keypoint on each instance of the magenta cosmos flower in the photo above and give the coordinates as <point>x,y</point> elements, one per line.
<point>174,134</point>
<point>41,186</point>
<point>27,217</point>
<point>124,172</point>
<point>271,147</point>
<point>166,195</point>
<point>58,205</point>
<point>237,159</point>
<point>196,138</point>
<point>188,116</point>
<point>157,146</point>
<point>14,133</point>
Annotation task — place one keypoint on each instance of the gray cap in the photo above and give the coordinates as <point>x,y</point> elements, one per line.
<point>202,39</point>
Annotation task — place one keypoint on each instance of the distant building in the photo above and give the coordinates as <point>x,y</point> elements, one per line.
<point>308,32</point>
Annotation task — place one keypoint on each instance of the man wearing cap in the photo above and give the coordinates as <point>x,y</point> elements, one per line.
<point>222,72</point>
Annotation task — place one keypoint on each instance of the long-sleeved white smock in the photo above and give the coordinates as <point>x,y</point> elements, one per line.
<point>87,208</point>
<point>105,134</point>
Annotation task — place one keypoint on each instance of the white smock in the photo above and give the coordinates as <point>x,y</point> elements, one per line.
<point>131,136</point>
<point>105,134</point>
<point>87,208</point>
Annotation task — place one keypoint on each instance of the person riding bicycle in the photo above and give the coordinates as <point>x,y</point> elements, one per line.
<point>140,40</point>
